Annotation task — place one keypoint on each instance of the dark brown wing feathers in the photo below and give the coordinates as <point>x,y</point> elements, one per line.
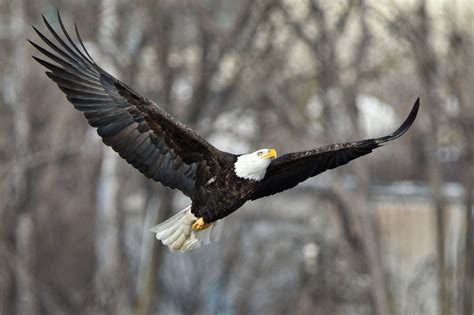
<point>161,147</point>
<point>290,169</point>
<point>142,133</point>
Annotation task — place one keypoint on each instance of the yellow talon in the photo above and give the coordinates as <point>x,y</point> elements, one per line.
<point>199,224</point>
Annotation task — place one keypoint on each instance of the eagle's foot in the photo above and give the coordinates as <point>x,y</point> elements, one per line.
<point>199,224</point>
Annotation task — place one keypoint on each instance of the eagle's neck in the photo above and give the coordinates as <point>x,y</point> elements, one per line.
<point>251,167</point>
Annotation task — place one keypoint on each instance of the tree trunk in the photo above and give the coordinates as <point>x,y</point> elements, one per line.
<point>107,277</point>
<point>369,223</point>
<point>107,234</point>
<point>151,252</point>
<point>469,238</point>
<point>427,70</point>
<point>18,292</point>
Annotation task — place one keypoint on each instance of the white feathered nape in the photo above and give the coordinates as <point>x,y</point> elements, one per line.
<point>177,233</point>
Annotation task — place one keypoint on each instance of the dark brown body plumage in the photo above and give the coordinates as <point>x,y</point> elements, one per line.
<point>165,150</point>
<point>224,193</point>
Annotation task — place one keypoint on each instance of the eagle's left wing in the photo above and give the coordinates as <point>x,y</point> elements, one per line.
<point>140,131</point>
<point>290,169</point>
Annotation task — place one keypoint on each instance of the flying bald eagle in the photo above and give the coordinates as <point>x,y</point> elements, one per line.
<point>167,151</point>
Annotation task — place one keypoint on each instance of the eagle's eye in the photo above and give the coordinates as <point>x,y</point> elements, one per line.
<point>260,153</point>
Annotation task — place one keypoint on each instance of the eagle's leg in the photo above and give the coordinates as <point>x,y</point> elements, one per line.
<point>199,224</point>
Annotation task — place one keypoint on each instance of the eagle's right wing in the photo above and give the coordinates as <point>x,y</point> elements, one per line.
<point>288,170</point>
<point>141,132</point>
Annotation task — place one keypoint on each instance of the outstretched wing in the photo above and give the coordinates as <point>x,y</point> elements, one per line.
<point>142,133</point>
<point>288,170</point>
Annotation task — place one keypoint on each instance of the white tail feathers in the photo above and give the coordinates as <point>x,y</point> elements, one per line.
<point>177,234</point>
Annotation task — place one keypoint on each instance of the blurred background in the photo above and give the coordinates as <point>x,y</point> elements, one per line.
<point>390,233</point>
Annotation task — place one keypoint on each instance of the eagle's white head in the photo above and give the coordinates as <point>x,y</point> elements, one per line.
<point>254,165</point>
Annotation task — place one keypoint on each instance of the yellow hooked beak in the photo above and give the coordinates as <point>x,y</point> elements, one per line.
<point>272,153</point>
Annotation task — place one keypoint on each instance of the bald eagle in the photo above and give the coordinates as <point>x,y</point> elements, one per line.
<point>165,150</point>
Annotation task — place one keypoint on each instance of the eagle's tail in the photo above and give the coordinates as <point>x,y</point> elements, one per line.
<point>177,232</point>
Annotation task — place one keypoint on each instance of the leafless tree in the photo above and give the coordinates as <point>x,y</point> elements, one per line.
<point>330,77</point>
<point>74,217</point>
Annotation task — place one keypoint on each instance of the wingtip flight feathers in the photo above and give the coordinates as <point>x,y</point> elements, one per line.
<point>404,126</point>
<point>72,50</point>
